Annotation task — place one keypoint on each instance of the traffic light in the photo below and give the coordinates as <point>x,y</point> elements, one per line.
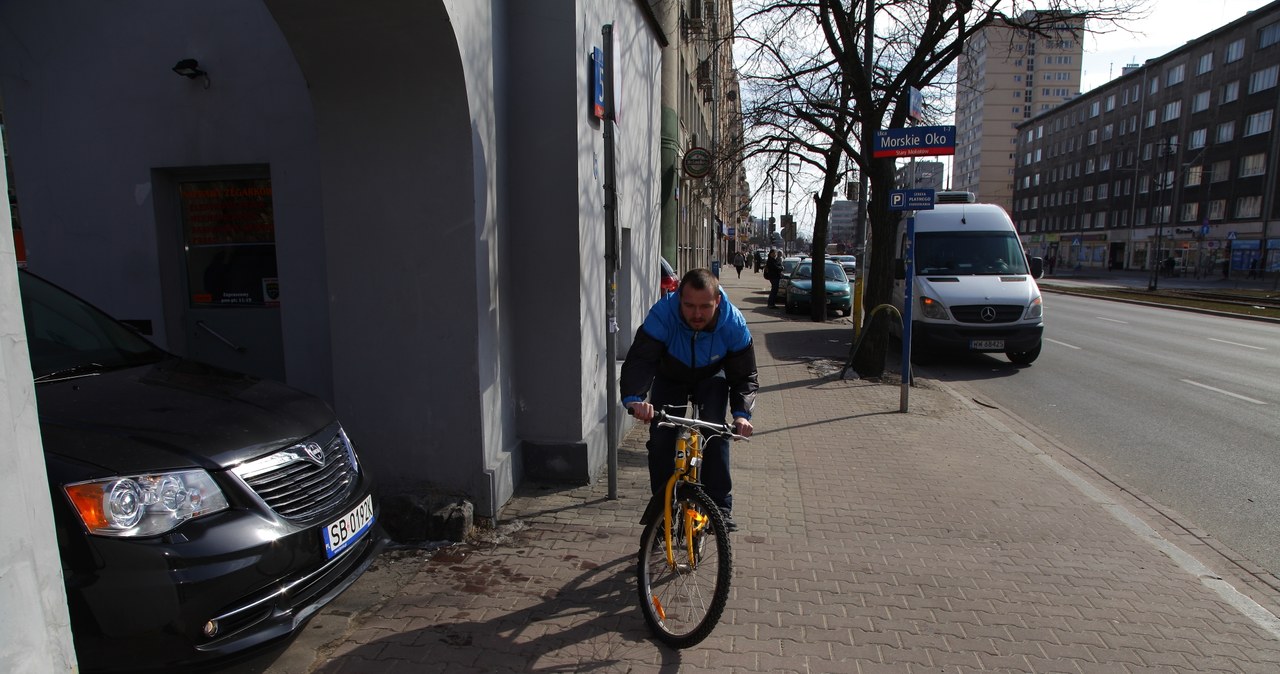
<point>788,227</point>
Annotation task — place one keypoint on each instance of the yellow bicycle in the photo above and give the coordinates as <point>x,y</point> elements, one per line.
<point>685,559</point>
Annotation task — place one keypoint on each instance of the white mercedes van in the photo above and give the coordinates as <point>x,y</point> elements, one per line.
<point>974,288</point>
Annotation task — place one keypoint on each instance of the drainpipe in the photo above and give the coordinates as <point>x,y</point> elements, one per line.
<point>670,142</point>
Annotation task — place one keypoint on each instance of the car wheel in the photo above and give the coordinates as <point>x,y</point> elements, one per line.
<point>1024,357</point>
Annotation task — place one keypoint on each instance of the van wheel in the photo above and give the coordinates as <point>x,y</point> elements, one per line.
<point>1024,357</point>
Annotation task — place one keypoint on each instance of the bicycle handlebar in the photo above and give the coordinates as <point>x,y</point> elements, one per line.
<point>669,420</point>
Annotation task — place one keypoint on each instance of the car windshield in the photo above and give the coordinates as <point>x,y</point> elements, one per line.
<point>789,265</point>
<point>834,272</point>
<point>969,253</point>
<point>67,337</point>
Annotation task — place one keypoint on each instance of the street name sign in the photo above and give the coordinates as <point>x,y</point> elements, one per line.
<point>911,200</point>
<point>920,141</point>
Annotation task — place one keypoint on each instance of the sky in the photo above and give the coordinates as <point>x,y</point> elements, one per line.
<point>1167,25</point>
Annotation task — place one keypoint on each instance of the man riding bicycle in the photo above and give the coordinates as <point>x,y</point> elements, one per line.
<point>694,345</point>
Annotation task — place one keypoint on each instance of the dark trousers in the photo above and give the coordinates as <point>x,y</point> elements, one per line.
<point>711,401</point>
<point>773,291</point>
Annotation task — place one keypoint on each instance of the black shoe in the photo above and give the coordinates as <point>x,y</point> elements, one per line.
<point>729,524</point>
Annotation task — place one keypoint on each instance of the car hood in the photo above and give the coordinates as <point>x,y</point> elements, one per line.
<point>983,289</point>
<point>831,286</point>
<point>172,414</point>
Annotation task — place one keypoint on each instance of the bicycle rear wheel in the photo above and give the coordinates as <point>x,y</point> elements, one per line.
<point>682,602</point>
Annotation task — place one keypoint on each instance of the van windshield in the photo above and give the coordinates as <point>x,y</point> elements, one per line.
<point>969,253</point>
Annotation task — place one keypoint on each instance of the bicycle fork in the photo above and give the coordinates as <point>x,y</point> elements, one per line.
<point>688,461</point>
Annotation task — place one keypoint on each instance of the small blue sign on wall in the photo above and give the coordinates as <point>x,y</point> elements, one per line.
<point>911,200</point>
<point>597,82</point>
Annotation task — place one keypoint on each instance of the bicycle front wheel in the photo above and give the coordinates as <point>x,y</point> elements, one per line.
<point>682,599</point>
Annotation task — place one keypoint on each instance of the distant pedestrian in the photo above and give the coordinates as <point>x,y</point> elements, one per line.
<point>1253,268</point>
<point>739,262</point>
<point>773,273</point>
<point>1226,267</point>
<point>1052,262</point>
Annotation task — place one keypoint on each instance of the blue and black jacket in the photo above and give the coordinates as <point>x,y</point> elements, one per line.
<point>666,346</point>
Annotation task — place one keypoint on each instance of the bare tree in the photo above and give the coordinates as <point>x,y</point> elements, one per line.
<point>820,78</point>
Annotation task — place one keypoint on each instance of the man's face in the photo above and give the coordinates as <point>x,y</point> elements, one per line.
<point>698,307</point>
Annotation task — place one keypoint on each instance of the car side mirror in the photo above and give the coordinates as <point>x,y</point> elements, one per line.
<point>1037,267</point>
<point>899,269</point>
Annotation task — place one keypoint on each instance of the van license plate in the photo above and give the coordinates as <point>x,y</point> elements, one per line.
<point>986,344</point>
<point>347,529</point>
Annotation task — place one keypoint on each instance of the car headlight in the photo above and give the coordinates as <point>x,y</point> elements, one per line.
<point>798,290</point>
<point>839,293</point>
<point>145,505</point>
<point>1036,310</point>
<point>931,308</point>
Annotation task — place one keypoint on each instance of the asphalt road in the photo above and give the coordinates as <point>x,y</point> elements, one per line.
<point>1182,407</point>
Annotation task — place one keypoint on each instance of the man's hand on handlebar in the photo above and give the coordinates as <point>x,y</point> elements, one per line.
<point>742,427</point>
<point>642,411</point>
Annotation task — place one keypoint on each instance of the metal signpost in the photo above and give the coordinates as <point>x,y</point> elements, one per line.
<point>920,141</point>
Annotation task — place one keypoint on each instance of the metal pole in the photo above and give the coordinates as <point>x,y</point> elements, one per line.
<point>612,262</point>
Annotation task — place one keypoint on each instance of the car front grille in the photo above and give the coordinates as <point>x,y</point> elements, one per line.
<point>306,480</point>
<point>996,313</point>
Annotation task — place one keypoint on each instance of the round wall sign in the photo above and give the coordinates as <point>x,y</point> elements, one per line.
<point>697,162</point>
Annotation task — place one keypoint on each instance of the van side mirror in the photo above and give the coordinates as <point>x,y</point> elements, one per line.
<point>899,269</point>
<point>1037,267</point>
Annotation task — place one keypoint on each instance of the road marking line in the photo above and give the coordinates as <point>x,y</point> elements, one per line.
<point>1247,346</point>
<point>1112,320</point>
<point>1069,346</point>
<point>1225,393</point>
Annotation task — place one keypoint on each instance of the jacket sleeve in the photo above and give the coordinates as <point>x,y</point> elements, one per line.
<point>639,367</point>
<point>740,372</point>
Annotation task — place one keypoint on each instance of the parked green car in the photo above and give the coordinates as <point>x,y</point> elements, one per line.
<point>800,289</point>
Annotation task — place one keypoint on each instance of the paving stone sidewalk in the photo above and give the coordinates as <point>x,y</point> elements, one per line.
<point>937,540</point>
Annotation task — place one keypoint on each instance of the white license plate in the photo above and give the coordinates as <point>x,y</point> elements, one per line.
<point>986,344</point>
<point>348,529</point>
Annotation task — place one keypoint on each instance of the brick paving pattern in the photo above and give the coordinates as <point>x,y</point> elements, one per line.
<point>871,541</point>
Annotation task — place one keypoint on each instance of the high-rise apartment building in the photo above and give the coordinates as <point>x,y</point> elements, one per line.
<point>1006,75</point>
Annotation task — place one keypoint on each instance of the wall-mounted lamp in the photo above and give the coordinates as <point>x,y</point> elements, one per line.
<point>190,68</point>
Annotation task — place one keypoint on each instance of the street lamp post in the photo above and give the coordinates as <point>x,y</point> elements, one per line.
<point>1168,150</point>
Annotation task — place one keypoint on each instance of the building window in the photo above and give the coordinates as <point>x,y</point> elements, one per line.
<point>1259,122</point>
<point>1197,139</point>
<point>1111,102</point>
<point>1205,64</point>
<point>1175,74</point>
<point>1189,212</point>
<point>1153,85</point>
<point>1226,132</point>
<point>1102,191</point>
<point>1269,35</point>
<point>1230,92</point>
<point>1234,52</point>
<point>1140,218</point>
<point>1249,207</point>
<point>1217,208</point>
<point>1195,174</point>
<point>1263,79</point>
<point>1172,110</point>
<point>1144,184</point>
<point>1104,162</point>
<point>1151,118</point>
<point>1200,102</point>
<point>1252,165</point>
<point>1093,136</point>
<point>1220,171</point>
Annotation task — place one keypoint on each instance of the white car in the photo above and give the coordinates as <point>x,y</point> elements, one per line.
<point>849,263</point>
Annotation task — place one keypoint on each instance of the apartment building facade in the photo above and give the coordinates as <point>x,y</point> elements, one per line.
<point>1007,75</point>
<point>1172,162</point>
